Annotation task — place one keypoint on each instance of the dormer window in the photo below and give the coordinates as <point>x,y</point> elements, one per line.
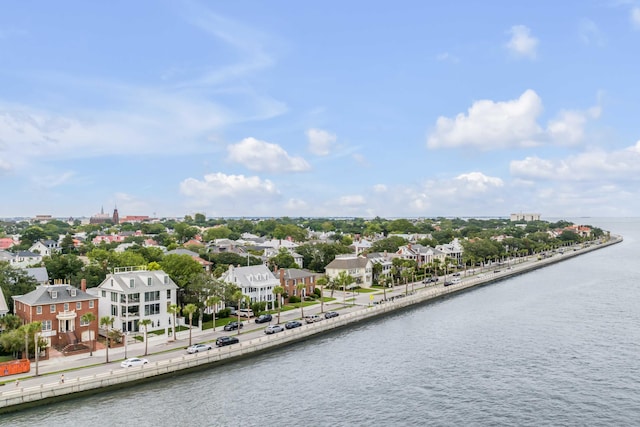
<point>54,294</point>
<point>148,281</point>
<point>132,283</point>
<point>73,292</point>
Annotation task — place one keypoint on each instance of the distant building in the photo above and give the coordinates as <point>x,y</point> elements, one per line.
<point>102,217</point>
<point>527,217</point>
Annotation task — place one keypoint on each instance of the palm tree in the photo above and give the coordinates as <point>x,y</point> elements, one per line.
<point>278,291</point>
<point>213,302</point>
<point>238,296</point>
<point>145,323</point>
<point>173,309</point>
<point>300,287</point>
<point>188,310</point>
<point>88,318</point>
<point>322,282</point>
<point>107,321</point>
<point>342,280</point>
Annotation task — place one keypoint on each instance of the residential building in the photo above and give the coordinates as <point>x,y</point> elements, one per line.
<point>60,308</point>
<point>527,217</point>
<point>290,278</point>
<point>131,294</point>
<point>206,265</point>
<point>422,255</point>
<point>385,260</point>
<point>358,267</point>
<point>4,308</point>
<point>40,274</point>
<point>6,242</point>
<point>255,281</point>
<point>45,247</point>
<point>20,259</point>
<point>452,250</point>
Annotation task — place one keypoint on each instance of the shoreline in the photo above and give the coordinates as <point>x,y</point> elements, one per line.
<point>19,398</point>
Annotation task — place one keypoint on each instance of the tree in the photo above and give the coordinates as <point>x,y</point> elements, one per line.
<point>278,291</point>
<point>188,310</point>
<point>341,281</point>
<point>213,302</point>
<point>107,323</point>
<point>88,318</point>
<point>173,309</point>
<point>145,323</point>
<point>322,282</point>
<point>283,260</point>
<point>300,287</point>
<point>240,297</point>
<point>181,268</point>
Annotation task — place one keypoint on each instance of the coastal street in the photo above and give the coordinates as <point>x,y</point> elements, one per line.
<point>162,349</point>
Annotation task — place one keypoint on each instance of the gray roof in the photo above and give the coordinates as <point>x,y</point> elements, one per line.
<point>296,273</point>
<point>6,256</point>
<point>120,281</point>
<point>4,309</point>
<point>252,275</point>
<point>346,263</point>
<point>180,251</point>
<point>43,295</point>
<point>39,273</point>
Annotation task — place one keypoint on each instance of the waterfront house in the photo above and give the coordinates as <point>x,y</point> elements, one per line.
<point>290,278</point>
<point>422,255</point>
<point>131,294</point>
<point>60,308</point>
<point>358,267</point>
<point>255,281</point>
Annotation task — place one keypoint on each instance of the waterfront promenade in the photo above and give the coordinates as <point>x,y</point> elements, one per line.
<point>84,373</point>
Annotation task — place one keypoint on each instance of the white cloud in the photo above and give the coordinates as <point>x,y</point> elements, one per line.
<point>478,182</point>
<point>447,57</point>
<point>259,155</point>
<point>593,166</point>
<point>220,185</point>
<point>505,124</point>
<point>522,44</point>
<point>380,188</point>
<point>52,181</point>
<point>320,141</point>
<point>590,33</point>
<point>635,17</point>
<point>490,124</point>
<point>352,200</point>
<point>296,205</point>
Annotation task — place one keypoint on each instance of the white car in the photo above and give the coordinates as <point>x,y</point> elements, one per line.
<point>198,347</point>
<point>272,329</point>
<point>134,361</point>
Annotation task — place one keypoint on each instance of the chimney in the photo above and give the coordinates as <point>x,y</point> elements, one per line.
<point>83,285</point>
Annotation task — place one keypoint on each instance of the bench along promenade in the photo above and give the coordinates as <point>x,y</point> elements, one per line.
<point>82,380</point>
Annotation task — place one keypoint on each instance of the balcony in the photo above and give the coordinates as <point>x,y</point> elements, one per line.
<point>66,315</point>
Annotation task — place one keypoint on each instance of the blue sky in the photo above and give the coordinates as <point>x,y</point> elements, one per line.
<point>332,108</point>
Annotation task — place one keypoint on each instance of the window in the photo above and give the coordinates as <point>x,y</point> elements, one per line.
<point>46,325</point>
<point>168,293</point>
<point>73,292</point>
<point>39,309</point>
<point>52,308</point>
<point>150,309</point>
<point>83,322</point>
<point>78,306</point>
<point>114,297</point>
<point>132,283</point>
<point>66,306</point>
<point>114,310</point>
<point>104,294</point>
<point>54,294</point>
<point>152,296</point>
<point>166,280</point>
<point>148,281</point>
<point>91,304</point>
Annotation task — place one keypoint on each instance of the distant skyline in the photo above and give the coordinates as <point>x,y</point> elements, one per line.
<point>338,109</point>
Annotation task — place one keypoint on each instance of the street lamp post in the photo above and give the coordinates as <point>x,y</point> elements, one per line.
<point>126,323</point>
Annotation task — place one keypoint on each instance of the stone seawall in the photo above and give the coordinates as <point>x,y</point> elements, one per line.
<point>21,397</point>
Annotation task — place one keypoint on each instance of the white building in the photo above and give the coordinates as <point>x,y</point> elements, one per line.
<point>255,281</point>
<point>131,294</point>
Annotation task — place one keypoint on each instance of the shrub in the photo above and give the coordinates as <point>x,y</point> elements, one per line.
<point>224,313</point>
<point>317,292</point>
<point>294,299</point>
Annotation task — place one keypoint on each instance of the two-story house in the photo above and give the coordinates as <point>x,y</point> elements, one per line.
<point>131,294</point>
<point>60,308</point>
<point>358,267</point>
<point>255,281</point>
<point>290,278</point>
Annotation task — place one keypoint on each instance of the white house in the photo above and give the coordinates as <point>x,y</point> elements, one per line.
<point>131,294</point>
<point>255,281</point>
<point>45,247</point>
<point>358,267</point>
<point>4,309</point>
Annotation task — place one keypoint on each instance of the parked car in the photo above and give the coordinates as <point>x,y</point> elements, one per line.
<point>264,318</point>
<point>311,318</point>
<point>330,314</point>
<point>272,329</point>
<point>245,312</point>
<point>232,326</point>
<point>430,280</point>
<point>134,361</point>
<point>292,324</point>
<point>222,341</point>
<point>197,348</point>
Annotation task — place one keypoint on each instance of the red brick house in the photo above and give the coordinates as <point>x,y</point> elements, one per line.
<point>291,277</point>
<point>59,307</point>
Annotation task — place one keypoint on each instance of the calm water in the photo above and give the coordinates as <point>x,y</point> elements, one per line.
<point>559,346</point>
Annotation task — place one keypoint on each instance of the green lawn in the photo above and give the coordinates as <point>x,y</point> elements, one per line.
<point>365,290</point>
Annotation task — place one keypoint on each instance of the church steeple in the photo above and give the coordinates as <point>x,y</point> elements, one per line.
<point>116,217</point>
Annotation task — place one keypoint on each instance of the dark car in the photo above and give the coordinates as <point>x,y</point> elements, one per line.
<point>292,324</point>
<point>330,314</point>
<point>430,280</point>
<point>222,341</point>
<point>232,326</point>
<point>448,283</point>
<point>264,318</point>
